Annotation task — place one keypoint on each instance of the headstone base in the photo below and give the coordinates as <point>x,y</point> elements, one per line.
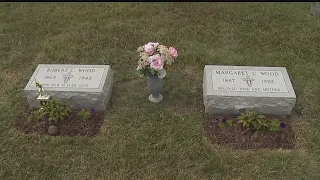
<point>263,105</point>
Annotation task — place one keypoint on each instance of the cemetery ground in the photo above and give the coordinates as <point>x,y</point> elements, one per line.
<point>143,140</point>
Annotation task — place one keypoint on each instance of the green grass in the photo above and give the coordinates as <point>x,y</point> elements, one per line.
<point>141,140</point>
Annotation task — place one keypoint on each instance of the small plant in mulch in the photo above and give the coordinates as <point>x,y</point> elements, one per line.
<point>254,122</point>
<point>56,110</point>
<point>56,118</point>
<point>85,114</point>
<point>224,123</point>
<point>250,130</point>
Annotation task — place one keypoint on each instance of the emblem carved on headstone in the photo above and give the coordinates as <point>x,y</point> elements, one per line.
<point>248,80</point>
<point>67,77</point>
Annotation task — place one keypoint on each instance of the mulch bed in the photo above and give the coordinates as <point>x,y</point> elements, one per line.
<point>236,137</point>
<point>71,126</point>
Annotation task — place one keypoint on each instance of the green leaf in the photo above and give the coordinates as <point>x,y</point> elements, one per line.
<point>261,116</point>
<point>221,125</point>
<point>255,125</point>
<point>244,124</point>
<point>229,123</point>
<point>153,72</point>
<point>141,72</point>
<point>259,121</point>
<point>264,124</point>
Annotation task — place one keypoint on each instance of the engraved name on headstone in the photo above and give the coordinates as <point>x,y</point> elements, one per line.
<point>248,80</point>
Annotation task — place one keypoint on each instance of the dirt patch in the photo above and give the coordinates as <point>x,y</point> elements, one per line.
<point>71,126</point>
<point>237,137</point>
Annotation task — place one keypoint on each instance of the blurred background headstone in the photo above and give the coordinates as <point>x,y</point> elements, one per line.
<point>315,8</point>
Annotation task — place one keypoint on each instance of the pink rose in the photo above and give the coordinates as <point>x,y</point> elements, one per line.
<point>150,48</point>
<point>156,62</point>
<point>173,52</point>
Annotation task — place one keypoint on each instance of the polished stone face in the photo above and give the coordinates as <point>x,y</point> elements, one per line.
<point>83,86</point>
<point>226,89</point>
<point>69,77</point>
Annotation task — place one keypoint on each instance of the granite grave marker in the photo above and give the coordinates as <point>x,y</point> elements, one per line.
<point>82,86</point>
<point>227,89</point>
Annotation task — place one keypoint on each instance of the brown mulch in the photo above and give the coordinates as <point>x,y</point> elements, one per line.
<point>236,137</point>
<point>71,126</point>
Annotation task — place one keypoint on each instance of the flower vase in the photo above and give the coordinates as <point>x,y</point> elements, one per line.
<point>155,86</point>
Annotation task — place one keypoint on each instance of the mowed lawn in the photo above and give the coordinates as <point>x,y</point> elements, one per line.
<point>140,139</point>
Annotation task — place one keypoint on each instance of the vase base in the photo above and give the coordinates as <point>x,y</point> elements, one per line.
<point>157,99</point>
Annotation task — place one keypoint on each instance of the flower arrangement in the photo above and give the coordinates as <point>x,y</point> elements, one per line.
<point>154,58</point>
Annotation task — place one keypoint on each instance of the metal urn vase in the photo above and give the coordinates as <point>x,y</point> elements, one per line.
<point>155,86</point>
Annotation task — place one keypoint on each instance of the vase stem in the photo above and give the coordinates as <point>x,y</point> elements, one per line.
<point>155,86</point>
